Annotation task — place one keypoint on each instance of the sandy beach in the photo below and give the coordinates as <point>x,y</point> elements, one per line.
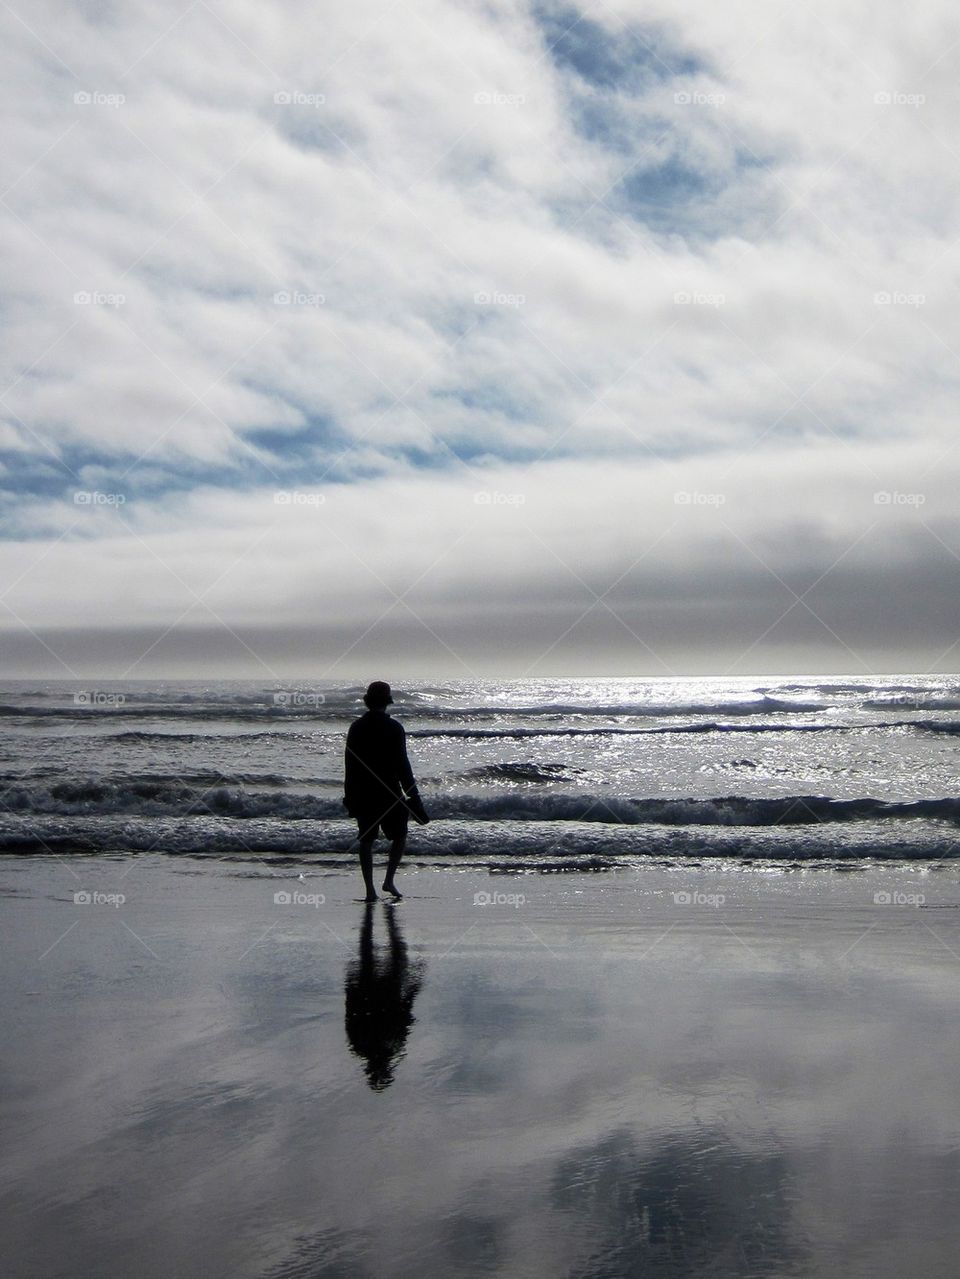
<point>231,1067</point>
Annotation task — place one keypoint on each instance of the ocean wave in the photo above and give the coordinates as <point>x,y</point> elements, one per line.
<point>504,846</point>
<point>921,702</point>
<point>178,711</point>
<point>143,784</point>
<point>763,705</point>
<point>730,810</point>
<point>425,720</point>
<point>138,735</point>
<point>518,772</point>
<point>164,796</point>
<point>316,735</point>
<point>256,708</point>
<point>839,687</point>
<point>168,796</point>
<point>710,727</point>
<point>948,726</point>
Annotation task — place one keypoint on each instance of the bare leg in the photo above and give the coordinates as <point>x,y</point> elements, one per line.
<point>366,868</point>
<point>396,852</point>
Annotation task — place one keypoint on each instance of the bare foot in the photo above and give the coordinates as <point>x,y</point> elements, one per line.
<point>371,897</point>
<point>394,892</point>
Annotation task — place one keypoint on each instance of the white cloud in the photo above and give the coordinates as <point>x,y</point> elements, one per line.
<point>388,188</point>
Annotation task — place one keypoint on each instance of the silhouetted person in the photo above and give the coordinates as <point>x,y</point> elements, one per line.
<point>379,992</point>
<point>379,790</point>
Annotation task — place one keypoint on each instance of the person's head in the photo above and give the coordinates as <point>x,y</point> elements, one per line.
<point>378,696</point>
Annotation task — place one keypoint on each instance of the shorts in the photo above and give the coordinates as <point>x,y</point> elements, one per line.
<point>392,821</point>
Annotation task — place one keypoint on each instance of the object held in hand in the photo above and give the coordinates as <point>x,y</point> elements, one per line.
<point>417,810</point>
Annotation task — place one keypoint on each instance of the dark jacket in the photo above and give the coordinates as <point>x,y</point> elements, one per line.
<point>377,771</point>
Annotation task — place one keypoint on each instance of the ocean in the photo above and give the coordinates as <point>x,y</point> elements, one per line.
<point>554,774</point>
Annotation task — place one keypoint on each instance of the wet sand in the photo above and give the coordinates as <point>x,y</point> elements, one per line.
<point>642,1072</point>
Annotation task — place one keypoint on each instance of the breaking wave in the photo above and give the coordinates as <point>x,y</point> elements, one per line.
<point>169,796</point>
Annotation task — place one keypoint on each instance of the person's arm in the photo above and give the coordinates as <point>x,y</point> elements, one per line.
<point>407,780</point>
<point>349,772</point>
<point>404,771</point>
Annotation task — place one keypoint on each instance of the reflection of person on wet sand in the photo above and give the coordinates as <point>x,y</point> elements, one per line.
<point>380,990</point>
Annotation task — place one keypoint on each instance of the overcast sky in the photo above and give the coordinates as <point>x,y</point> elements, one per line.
<point>479,338</point>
